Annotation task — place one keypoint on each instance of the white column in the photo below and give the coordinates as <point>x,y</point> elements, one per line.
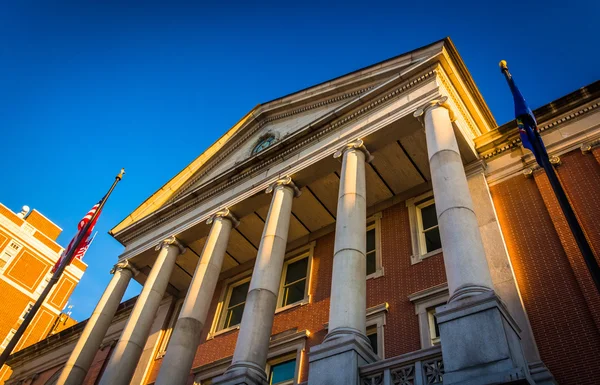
<point>252,346</point>
<point>127,352</point>
<point>347,311</point>
<point>464,256</point>
<point>89,342</point>
<point>175,368</point>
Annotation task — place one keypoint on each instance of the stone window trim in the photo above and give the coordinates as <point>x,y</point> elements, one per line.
<point>28,228</point>
<point>419,251</point>
<point>7,338</point>
<point>239,279</point>
<point>282,346</point>
<point>374,222</point>
<point>168,331</point>
<point>26,311</point>
<point>424,301</point>
<point>376,316</point>
<point>8,254</point>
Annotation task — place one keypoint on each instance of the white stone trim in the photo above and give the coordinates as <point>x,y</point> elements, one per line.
<point>424,300</point>
<point>419,250</point>
<point>374,222</point>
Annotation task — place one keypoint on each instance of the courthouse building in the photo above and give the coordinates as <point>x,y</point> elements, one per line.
<point>378,228</point>
<point>28,251</point>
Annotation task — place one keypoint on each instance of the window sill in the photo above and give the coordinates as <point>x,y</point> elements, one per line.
<point>224,331</point>
<point>293,305</point>
<point>417,259</point>
<point>378,273</point>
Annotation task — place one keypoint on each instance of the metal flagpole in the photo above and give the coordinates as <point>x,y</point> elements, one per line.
<point>531,139</point>
<point>55,277</point>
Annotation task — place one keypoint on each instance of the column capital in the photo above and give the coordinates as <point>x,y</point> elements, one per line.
<point>124,265</point>
<point>441,102</point>
<point>285,182</point>
<point>223,214</point>
<point>166,243</point>
<point>354,145</point>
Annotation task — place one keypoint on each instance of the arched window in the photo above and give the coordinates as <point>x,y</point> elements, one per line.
<point>263,144</point>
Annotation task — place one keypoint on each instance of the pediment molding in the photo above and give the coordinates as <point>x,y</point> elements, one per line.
<point>397,86</point>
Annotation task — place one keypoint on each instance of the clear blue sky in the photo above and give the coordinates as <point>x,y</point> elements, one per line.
<point>88,87</point>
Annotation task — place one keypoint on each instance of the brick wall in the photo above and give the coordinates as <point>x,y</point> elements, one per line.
<point>563,326</point>
<point>401,279</point>
<point>42,224</point>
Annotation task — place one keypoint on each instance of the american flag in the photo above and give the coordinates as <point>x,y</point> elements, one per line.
<point>82,247</point>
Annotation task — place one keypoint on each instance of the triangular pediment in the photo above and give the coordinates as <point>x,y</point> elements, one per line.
<point>279,119</point>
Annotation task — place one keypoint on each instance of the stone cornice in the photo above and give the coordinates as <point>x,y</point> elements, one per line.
<point>505,138</point>
<point>317,132</point>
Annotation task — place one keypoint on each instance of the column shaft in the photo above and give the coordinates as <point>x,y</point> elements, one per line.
<point>184,342</point>
<point>347,311</point>
<point>89,342</point>
<point>127,352</point>
<point>252,346</point>
<point>464,256</point>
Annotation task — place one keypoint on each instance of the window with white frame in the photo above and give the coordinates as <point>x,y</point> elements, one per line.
<point>425,233</point>
<point>282,371</point>
<point>426,301</point>
<point>164,344</point>
<point>9,337</point>
<point>234,303</point>
<point>374,263</point>
<point>376,318</point>
<point>9,253</point>
<point>295,279</point>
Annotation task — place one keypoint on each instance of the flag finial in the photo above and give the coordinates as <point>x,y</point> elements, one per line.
<point>503,65</point>
<point>120,176</point>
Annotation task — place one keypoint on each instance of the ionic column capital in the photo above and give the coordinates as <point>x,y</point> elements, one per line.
<point>441,102</point>
<point>124,265</point>
<point>224,214</point>
<point>171,241</point>
<point>355,145</point>
<point>284,182</point>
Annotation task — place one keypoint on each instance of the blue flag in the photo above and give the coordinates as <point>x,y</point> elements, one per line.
<point>530,136</point>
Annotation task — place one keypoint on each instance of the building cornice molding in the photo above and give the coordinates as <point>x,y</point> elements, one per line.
<point>385,97</point>
<point>511,138</point>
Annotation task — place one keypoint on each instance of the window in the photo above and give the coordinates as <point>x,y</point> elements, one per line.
<point>234,304</point>
<point>9,337</point>
<point>434,329</point>
<point>429,231</point>
<point>374,265</point>
<point>8,253</point>
<point>426,301</point>
<point>425,233</point>
<point>168,332</point>
<point>372,336</point>
<point>263,144</point>
<point>294,280</point>
<point>281,373</point>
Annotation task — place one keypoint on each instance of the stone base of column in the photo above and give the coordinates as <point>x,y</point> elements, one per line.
<point>540,374</point>
<point>337,359</point>
<point>243,373</point>
<point>480,343</point>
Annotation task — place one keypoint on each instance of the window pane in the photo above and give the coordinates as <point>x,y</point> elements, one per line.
<point>296,271</point>
<point>371,262</point>
<point>370,240</point>
<point>283,372</point>
<point>428,216</point>
<point>432,239</point>
<point>373,340</point>
<point>294,293</point>
<point>234,316</point>
<point>238,294</point>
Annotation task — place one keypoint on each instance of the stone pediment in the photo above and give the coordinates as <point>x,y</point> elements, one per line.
<point>280,122</point>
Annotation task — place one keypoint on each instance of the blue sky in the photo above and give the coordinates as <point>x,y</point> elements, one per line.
<point>88,87</point>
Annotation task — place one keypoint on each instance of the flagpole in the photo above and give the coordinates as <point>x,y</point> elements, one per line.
<point>563,200</point>
<point>56,276</point>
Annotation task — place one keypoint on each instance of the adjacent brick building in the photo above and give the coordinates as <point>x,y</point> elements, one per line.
<point>28,251</point>
<point>534,266</point>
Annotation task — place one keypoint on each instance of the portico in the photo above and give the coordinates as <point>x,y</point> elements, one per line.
<point>328,159</point>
